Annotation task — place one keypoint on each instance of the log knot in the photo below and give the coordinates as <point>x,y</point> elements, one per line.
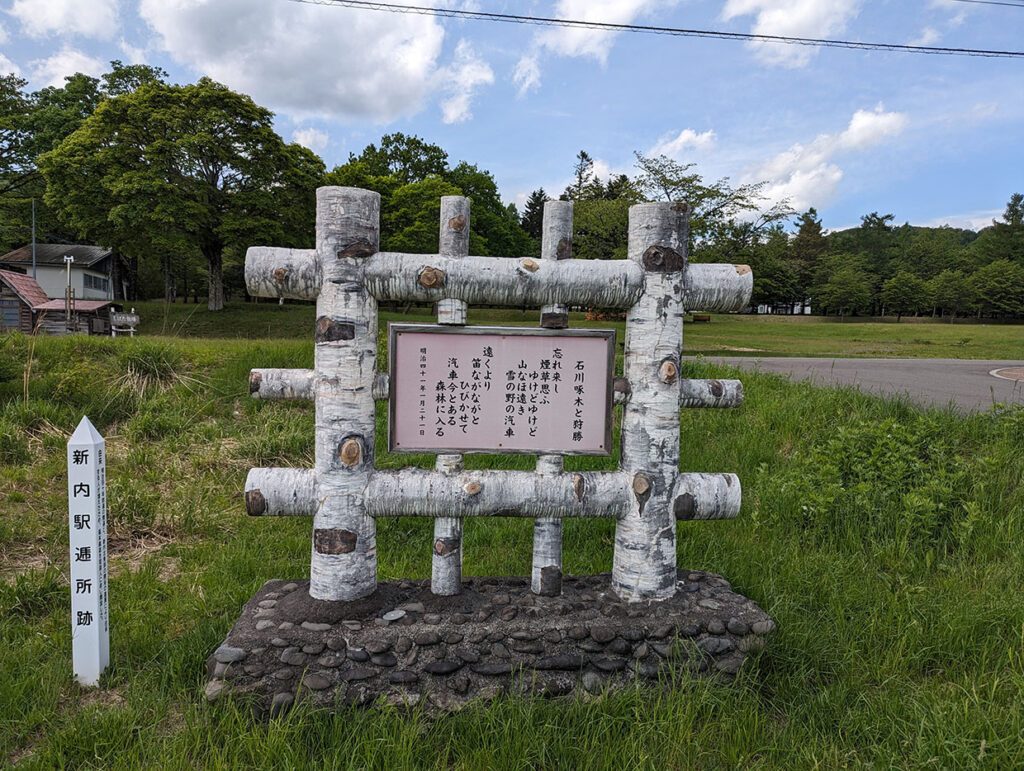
<point>579,486</point>
<point>564,249</point>
<point>351,452</point>
<point>431,278</point>
<point>361,247</point>
<point>445,546</point>
<point>280,275</point>
<point>472,488</point>
<point>329,330</point>
<point>255,381</point>
<point>662,259</point>
<point>530,265</point>
<point>716,388</point>
<point>458,223</point>
<point>742,270</point>
<point>334,541</point>
<point>668,372</point>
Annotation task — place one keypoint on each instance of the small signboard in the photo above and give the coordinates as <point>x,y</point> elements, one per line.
<point>500,390</point>
<point>87,525</point>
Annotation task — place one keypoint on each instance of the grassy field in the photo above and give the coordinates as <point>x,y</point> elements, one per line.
<point>726,335</point>
<point>886,541</point>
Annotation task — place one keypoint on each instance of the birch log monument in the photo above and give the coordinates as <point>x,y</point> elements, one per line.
<point>452,389</point>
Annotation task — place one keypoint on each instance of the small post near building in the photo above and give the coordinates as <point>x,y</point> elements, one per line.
<point>87,525</point>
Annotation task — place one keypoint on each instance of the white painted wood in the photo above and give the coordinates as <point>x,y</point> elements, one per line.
<point>412,492</point>
<point>281,492</point>
<point>281,383</point>
<point>644,563</point>
<point>344,555</point>
<point>712,394</point>
<point>718,288</point>
<point>87,528</point>
<point>706,496</point>
<point>446,560</point>
<point>287,273</point>
<point>516,282</point>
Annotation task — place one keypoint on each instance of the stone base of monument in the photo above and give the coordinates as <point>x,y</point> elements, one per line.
<point>403,644</point>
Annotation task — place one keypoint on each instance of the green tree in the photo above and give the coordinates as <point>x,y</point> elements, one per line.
<point>905,293</point>
<point>952,292</point>
<point>998,288</point>
<point>172,166</point>
<point>405,158</point>
<point>808,245</point>
<point>848,290</point>
<point>533,215</point>
<point>411,220</point>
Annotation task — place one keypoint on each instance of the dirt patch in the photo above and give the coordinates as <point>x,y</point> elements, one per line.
<point>18,562</point>
<point>109,698</point>
<point>739,348</point>
<point>1009,373</point>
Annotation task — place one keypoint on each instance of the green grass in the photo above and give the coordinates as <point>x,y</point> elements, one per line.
<point>885,540</point>
<point>726,335</point>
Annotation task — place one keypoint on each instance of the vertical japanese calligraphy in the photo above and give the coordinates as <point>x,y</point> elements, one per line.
<point>501,390</point>
<point>87,526</point>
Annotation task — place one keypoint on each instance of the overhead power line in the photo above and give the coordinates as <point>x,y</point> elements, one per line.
<point>673,31</point>
<point>1007,3</point>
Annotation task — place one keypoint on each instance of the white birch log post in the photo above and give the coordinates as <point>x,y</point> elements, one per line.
<point>517,282</point>
<point>706,496</point>
<point>556,244</point>
<point>546,578</point>
<point>280,492</point>
<point>281,383</point>
<point>453,242</point>
<point>711,394</point>
<point>282,273</point>
<point>344,557</point>
<point>718,288</point>
<point>644,564</point>
<point>446,560</point>
<point>412,492</point>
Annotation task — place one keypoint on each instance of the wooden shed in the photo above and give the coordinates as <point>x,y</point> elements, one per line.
<point>19,296</point>
<point>88,316</point>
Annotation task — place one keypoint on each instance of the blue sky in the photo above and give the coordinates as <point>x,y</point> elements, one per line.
<point>931,139</point>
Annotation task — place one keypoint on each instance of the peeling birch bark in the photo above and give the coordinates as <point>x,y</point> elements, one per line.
<point>546,574</point>
<point>281,383</point>
<point>515,282</point>
<point>381,386</point>
<point>280,492</point>
<point>344,556</point>
<point>725,394</point>
<point>446,559</point>
<point>453,243</point>
<point>717,287</point>
<point>644,564</point>
<point>289,273</point>
<point>412,492</point>
<point>706,496</point>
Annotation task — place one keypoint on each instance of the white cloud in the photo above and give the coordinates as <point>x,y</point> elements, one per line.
<point>134,54</point>
<point>461,80</point>
<point>314,139</point>
<point>41,18</point>
<point>792,18</point>
<point>7,67</point>
<point>67,61</point>
<point>807,174</point>
<point>676,146</point>
<point>970,220</point>
<point>305,60</point>
<point>578,41</point>
<point>929,36</point>
<point>3,34</point>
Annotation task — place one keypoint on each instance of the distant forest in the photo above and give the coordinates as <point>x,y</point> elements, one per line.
<point>181,179</point>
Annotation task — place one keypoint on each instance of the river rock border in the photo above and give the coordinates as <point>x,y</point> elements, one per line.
<point>403,643</point>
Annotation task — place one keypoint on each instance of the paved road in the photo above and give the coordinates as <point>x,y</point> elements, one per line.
<point>938,382</point>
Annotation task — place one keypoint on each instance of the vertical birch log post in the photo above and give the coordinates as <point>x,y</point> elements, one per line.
<point>446,562</point>
<point>556,244</point>
<point>644,565</point>
<point>344,561</point>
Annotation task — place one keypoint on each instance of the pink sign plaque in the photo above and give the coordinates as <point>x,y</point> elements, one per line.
<point>500,390</point>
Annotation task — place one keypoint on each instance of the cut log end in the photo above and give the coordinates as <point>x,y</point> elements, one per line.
<point>255,503</point>
<point>334,541</point>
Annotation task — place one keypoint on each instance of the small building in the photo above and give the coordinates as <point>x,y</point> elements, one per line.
<point>24,306</point>
<point>94,272</point>
<point>19,295</point>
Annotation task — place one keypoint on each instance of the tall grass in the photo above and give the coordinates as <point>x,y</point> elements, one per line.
<point>885,540</point>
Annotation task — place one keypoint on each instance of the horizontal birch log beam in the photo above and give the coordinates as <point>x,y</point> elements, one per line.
<point>706,496</point>
<point>281,492</point>
<point>516,282</point>
<point>717,287</point>
<point>710,394</point>
<point>415,492</point>
<point>274,272</point>
<point>289,384</point>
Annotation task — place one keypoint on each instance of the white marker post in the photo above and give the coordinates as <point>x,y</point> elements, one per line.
<point>87,522</point>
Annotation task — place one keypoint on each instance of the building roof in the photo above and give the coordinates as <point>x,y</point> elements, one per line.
<point>53,254</point>
<point>26,287</point>
<point>80,305</point>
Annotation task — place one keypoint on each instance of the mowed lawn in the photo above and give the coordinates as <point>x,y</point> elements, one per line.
<point>724,335</point>
<point>887,542</point>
